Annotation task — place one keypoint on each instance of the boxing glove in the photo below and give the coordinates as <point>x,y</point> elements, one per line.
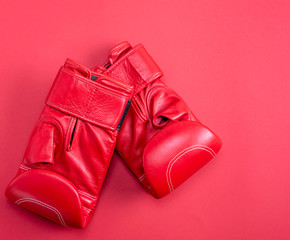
<point>71,146</point>
<point>161,140</point>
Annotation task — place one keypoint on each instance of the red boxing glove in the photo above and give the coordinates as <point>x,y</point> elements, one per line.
<point>161,140</point>
<point>70,149</point>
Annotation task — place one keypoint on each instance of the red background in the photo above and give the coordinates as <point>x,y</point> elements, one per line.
<point>228,59</point>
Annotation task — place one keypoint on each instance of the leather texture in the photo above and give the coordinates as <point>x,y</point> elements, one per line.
<point>161,140</point>
<point>71,146</point>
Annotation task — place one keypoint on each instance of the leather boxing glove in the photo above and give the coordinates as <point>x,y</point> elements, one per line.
<point>71,146</point>
<point>161,140</point>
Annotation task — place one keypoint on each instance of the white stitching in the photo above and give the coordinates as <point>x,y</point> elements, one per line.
<point>142,177</point>
<point>22,200</point>
<point>87,195</point>
<point>24,167</point>
<point>27,169</point>
<point>178,156</point>
<point>87,209</point>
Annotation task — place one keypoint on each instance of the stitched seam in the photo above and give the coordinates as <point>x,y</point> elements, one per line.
<point>24,167</point>
<point>146,82</point>
<point>120,113</point>
<point>86,116</point>
<point>115,94</point>
<point>148,95</point>
<point>53,88</point>
<point>126,57</point>
<point>74,64</point>
<point>90,101</point>
<point>98,86</point>
<point>60,218</point>
<point>87,195</point>
<point>142,177</point>
<point>178,156</point>
<point>138,111</point>
<point>93,84</point>
<point>123,58</point>
<point>122,157</point>
<point>141,105</point>
<point>87,209</point>
<point>77,115</point>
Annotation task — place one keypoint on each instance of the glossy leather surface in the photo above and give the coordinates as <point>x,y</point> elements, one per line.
<point>71,146</point>
<point>161,140</point>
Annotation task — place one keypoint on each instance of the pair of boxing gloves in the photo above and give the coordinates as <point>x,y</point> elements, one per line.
<point>89,113</point>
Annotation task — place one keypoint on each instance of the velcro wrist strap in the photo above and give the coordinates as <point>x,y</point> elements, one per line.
<point>102,102</point>
<point>136,67</point>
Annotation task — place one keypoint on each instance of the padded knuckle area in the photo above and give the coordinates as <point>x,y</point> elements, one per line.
<point>49,195</point>
<point>176,152</point>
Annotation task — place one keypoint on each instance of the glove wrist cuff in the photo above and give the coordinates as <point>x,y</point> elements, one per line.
<point>101,102</point>
<point>136,67</point>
